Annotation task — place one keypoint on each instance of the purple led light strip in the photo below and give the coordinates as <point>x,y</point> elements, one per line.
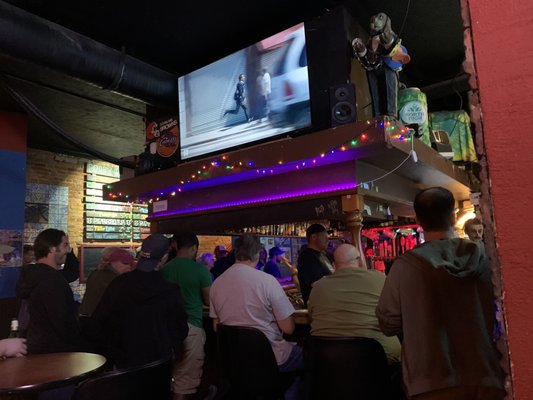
<point>280,196</point>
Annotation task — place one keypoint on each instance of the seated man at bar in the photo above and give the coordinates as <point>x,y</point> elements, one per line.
<point>274,258</point>
<point>474,229</point>
<point>245,296</point>
<point>439,297</point>
<point>280,268</point>
<point>313,262</point>
<point>53,324</point>
<point>140,318</point>
<point>343,304</point>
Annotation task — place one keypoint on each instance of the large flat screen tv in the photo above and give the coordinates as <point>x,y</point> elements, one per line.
<point>252,95</point>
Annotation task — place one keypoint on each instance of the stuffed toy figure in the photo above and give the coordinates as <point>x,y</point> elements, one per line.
<point>383,57</point>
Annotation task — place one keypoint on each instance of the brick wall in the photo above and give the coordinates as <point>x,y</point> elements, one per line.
<point>208,243</point>
<point>57,169</point>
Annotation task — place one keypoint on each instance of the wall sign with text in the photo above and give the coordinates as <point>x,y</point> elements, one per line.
<point>108,220</point>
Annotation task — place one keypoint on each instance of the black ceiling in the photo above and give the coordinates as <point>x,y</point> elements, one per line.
<point>181,36</point>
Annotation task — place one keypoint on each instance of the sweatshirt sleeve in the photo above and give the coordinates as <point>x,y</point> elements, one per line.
<point>178,328</point>
<point>389,310</point>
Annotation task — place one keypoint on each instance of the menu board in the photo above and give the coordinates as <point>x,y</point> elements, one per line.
<point>110,221</point>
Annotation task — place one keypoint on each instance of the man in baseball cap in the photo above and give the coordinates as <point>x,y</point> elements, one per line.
<point>271,267</point>
<point>141,317</point>
<point>153,249</point>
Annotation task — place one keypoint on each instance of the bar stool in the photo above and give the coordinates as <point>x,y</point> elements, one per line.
<point>247,363</point>
<point>346,368</point>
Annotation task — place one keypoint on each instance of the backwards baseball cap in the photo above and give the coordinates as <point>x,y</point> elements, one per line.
<point>121,255</point>
<point>153,248</point>
<point>221,248</point>
<point>275,251</point>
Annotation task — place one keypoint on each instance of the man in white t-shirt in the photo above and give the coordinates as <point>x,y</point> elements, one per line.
<point>260,302</point>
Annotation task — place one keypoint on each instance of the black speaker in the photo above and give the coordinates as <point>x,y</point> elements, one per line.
<point>342,104</point>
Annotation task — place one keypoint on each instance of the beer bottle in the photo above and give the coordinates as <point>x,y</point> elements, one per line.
<point>14,328</point>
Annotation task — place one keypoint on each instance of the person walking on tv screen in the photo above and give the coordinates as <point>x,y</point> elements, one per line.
<point>239,97</point>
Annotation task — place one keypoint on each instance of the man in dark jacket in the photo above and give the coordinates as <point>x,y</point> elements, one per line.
<point>439,297</point>
<point>313,263</point>
<point>140,317</point>
<point>53,326</point>
<point>239,97</point>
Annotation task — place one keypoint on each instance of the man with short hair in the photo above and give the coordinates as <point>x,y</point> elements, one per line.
<point>220,252</point>
<point>343,304</point>
<point>53,326</point>
<point>274,258</point>
<point>28,255</point>
<point>259,302</point>
<point>194,282</point>
<point>313,262</point>
<point>140,318</point>
<point>439,297</point>
<point>474,229</point>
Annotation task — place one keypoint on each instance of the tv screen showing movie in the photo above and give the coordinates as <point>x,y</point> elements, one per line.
<point>257,93</point>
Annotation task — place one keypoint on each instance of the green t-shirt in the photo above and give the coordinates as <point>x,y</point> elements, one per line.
<point>191,278</point>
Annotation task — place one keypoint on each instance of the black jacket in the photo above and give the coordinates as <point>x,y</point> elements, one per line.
<point>311,267</point>
<point>139,319</point>
<point>53,326</point>
<point>239,92</point>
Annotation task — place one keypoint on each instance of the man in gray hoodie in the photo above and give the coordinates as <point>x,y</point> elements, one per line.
<point>439,298</point>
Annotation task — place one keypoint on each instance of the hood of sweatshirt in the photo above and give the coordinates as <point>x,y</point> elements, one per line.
<point>30,276</point>
<point>459,257</point>
<point>140,287</point>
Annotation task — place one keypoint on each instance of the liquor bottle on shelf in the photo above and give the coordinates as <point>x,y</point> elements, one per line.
<point>14,332</point>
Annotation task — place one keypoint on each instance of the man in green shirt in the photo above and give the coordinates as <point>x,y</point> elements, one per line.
<point>194,281</point>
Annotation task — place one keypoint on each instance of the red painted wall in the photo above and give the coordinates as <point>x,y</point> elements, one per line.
<point>502,36</point>
<point>13,130</point>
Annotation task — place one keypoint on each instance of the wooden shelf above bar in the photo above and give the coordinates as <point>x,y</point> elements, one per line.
<point>372,158</point>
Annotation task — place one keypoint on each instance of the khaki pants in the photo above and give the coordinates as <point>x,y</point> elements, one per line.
<point>188,371</point>
<point>463,393</point>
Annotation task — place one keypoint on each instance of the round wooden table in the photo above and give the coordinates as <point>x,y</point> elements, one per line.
<point>46,371</point>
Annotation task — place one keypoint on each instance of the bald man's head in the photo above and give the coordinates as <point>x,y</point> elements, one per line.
<point>347,256</point>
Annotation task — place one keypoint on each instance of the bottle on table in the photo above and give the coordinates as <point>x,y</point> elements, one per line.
<point>14,333</point>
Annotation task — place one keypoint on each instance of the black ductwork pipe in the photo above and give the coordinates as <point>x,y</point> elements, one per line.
<point>34,39</point>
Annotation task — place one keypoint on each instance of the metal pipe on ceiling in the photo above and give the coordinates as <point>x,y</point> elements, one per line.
<point>34,39</point>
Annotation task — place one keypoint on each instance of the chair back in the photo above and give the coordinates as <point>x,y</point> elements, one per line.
<point>247,363</point>
<point>348,368</point>
<point>146,382</point>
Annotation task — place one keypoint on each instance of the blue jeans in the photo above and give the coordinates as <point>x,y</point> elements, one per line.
<point>295,362</point>
<point>383,83</point>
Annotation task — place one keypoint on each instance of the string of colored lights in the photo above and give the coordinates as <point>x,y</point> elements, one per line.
<point>393,131</point>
